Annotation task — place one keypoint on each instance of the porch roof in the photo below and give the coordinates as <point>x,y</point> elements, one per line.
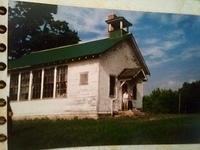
<point>130,73</point>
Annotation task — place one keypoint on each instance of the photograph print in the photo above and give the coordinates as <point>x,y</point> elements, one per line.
<point>96,77</point>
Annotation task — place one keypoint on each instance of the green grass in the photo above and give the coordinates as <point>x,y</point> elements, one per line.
<point>157,129</point>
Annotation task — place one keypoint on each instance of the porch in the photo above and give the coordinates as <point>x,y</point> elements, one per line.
<point>130,81</point>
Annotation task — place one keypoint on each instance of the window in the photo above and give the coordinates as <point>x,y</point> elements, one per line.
<point>84,78</point>
<point>24,88</point>
<point>13,86</point>
<point>48,82</point>
<point>61,81</point>
<point>112,86</point>
<point>36,84</point>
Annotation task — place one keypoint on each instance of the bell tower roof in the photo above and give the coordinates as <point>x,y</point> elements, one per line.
<point>115,20</point>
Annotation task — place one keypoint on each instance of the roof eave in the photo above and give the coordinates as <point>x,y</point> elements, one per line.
<point>141,58</point>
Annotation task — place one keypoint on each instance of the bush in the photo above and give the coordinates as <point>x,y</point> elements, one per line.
<point>167,101</point>
<point>161,101</point>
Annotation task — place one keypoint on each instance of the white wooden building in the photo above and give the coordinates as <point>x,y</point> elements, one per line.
<point>83,80</point>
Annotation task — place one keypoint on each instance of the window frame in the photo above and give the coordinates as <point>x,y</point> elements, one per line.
<point>60,82</point>
<point>14,86</point>
<point>24,86</point>
<point>48,80</point>
<point>112,91</point>
<point>36,83</point>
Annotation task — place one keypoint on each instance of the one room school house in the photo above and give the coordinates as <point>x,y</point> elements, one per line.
<point>83,80</point>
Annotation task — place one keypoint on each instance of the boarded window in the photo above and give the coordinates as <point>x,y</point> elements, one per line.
<point>48,82</point>
<point>61,81</point>
<point>13,86</point>
<point>84,78</point>
<point>112,86</point>
<point>24,88</point>
<point>36,84</point>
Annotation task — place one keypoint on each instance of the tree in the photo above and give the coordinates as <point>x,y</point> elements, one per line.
<point>190,97</point>
<point>167,101</point>
<point>161,101</point>
<point>33,28</point>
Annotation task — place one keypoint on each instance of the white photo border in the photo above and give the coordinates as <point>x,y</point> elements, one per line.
<point>191,7</point>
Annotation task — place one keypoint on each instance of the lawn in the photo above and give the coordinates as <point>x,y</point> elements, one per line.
<point>155,129</point>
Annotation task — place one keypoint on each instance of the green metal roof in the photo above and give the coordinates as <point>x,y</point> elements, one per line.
<point>65,52</point>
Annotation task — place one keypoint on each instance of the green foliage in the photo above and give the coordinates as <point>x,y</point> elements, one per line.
<point>168,101</point>
<point>161,101</point>
<point>32,28</point>
<point>190,97</point>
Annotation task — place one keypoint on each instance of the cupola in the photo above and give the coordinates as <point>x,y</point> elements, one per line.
<point>117,26</point>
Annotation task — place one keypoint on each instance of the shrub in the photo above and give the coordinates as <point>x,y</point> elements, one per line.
<point>161,101</point>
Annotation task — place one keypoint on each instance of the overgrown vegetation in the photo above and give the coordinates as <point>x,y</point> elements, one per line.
<point>184,100</point>
<point>156,129</point>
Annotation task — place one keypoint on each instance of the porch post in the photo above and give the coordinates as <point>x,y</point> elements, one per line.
<point>19,85</point>
<point>42,82</point>
<point>109,27</point>
<point>139,95</point>
<point>54,82</point>
<point>121,25</point>
<point>30,85</point>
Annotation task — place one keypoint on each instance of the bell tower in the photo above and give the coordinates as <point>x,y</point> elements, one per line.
<point>117,26</point>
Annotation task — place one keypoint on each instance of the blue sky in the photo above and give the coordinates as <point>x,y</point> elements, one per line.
<point>170,43</point>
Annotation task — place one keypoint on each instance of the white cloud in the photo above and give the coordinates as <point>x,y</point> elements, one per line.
<point>176,34</point>
<point>163,84</point>
<point>167,45</point>
<point>151,41</point>
<point>171,84</point>
<point>131,16</point>
<point>155,63</point>
<point>168,19</point>
<point>157,49</point>
<point>86,20</point>
<point>191,80</point>
<point>190,53</point>
<point>177,18</point>
<point>83,20</point>
<point>153,52</point>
